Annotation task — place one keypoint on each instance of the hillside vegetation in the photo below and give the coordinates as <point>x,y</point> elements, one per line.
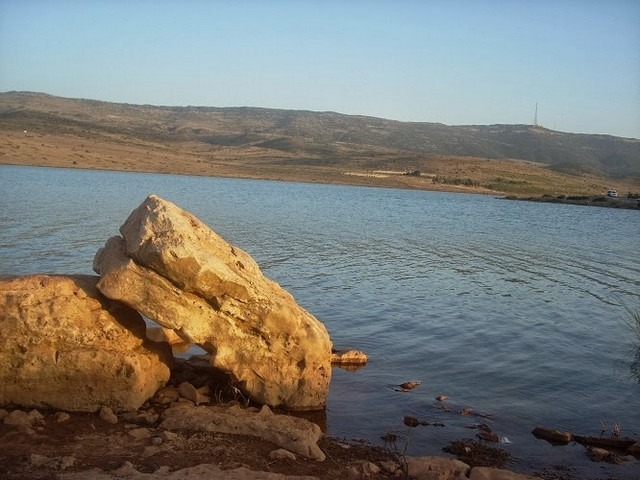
<point>311,146</point>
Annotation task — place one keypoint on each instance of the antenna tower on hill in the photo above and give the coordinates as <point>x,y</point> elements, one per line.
<point>535,116</point>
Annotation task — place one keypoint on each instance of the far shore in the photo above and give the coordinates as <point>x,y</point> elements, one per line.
<point>321,175</point>
<point>46,147</point>
<point>393,180</point>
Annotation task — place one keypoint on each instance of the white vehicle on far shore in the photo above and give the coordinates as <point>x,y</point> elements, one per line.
<point>612,193</point>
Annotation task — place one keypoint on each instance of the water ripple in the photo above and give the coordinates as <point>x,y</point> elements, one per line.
<point>509,307</point>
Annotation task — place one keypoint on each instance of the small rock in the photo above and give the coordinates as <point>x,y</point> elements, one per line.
<point>634,449</point>
<point>67,462</point>
<point>488,436</point>
<point>369,468</point>
<point>411,421</point>
<point>168,436</point>
<point>60,417</point>
<point>203,394</point>
<point>149,417</point>
<point>442,398</point>
<point>436,468</point>
<point>156,441</point>
<point>39,460</point>
<point>17,417</point>
<point>166,395</point>
<point>107,415</point>
<point>36,418</point>
<point>596,454</point>
<point>407,386</point>
<point>150,451</point>
<point>348,357</point>
<point>479,426</point>
<point>188,391</point>
<point>141,418</point>
<point>126,469</point>
<point>203,390</point>
<point>362,469</point>
<point>139,433</point>
<point>265,411</point>
<point>466,411</point>
<point>203,399</point>
<point>552,435</point>
<point>353,473</point>
<point>492,473</point>
<point>390,467</point>
<point>160,334</point>
<point>282,454</point>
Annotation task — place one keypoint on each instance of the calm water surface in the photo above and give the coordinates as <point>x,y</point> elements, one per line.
<point>513,309</point>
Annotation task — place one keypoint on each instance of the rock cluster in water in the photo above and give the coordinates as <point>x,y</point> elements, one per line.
<point>65,345</point>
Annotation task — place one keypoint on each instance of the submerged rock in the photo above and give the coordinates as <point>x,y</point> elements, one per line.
<point>349,357</point>
<point>551,435</point>
<point>65,346</point>
<point>410,421</point>
<point>172,268</point>
<point>407,386</point>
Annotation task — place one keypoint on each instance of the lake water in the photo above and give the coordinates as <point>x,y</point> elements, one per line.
<point>513,309</point>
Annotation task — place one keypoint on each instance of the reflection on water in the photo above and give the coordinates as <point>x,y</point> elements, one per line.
<point>508,308</point>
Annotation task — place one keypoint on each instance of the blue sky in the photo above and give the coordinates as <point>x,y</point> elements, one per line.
<point>455,62</point>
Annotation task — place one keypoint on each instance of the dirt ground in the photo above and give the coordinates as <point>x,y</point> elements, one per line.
<point>62,442</point>
<point>456,174</point>
<point>85,441</point>
<point>76,442</point>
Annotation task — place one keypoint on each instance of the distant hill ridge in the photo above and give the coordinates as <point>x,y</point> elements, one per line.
<point>323,137</point>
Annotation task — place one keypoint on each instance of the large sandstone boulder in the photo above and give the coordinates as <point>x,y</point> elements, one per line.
<point>172,268</point>
<point>64,345</point>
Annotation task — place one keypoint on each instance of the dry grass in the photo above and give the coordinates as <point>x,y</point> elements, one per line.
<point>117,151</point>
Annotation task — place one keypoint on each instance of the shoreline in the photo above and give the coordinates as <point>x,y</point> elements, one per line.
<point>139,445</point>
<point>584,200</point>
<point>334,178</point>
<point>348,179</point>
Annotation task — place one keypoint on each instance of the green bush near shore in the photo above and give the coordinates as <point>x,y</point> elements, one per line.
<point>467,182</point>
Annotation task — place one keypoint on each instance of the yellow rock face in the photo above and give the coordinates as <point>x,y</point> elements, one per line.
<point>174,269</point>
<point>66,346</point>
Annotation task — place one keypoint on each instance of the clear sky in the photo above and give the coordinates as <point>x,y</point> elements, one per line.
<point>450,61</point>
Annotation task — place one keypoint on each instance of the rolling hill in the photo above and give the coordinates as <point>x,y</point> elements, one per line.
<point>292,143</point>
